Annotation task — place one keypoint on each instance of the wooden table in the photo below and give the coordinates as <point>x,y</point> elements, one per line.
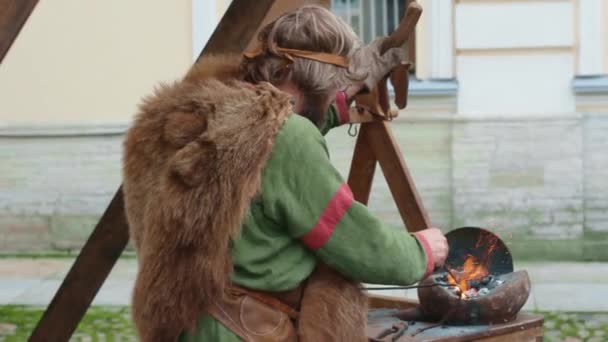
<point>527,327</point>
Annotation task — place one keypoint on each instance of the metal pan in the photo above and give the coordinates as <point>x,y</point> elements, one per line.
<point>481,244</point>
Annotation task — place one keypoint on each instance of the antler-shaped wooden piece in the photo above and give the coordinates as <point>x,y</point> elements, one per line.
<point>378,99</point>
<point>376,142</point>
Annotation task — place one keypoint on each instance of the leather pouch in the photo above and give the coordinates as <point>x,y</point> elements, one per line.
<point>252,320</point>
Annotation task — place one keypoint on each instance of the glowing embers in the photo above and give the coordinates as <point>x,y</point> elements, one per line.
<point>477,285</point>
<point>469,284</point>
<point>473,278</point>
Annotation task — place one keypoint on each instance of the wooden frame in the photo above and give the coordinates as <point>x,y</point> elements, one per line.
<point>111,234</point>
<point>375,143</point>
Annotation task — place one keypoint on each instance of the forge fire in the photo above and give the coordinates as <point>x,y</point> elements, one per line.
<point>477,284</point>
<point>474,280</point>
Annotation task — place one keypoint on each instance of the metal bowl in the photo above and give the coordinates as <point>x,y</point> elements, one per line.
<point>499,305</point>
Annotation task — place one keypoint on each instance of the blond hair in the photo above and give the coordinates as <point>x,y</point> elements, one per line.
<point>311,28</point>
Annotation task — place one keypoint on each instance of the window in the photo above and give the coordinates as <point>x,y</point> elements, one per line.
<point>374,18</point>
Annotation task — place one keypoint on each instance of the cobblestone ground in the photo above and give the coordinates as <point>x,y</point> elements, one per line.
<point>573,327</point>
<point>105,324</point>
<point>100,324</point>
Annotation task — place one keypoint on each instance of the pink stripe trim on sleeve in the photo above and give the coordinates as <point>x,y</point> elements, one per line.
<point>342,107</point>
<point>332,214</point>
<point>430,262</point>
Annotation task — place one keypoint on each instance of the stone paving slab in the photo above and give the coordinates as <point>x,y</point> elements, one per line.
<point>113,292</point>
<point>562,286</point>
<point>40,294</point>
<point>35,281</point>
<point>566,272</point>
<point>32,268</point>
<point>569,296</point>
<point>11,289</point>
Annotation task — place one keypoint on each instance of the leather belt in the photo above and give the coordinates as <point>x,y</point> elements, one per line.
<point>287,302</point>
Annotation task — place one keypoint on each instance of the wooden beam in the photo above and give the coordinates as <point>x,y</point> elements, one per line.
<point>111,234</point>
<point>86,276</point>
<point>376,142</point>
<point>398,176</point>
<point>13,14</point>
<point>362,168</point>
<point>238,26</point>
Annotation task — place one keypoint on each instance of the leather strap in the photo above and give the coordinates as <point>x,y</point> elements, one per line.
<point>270,300</point>
<point>289,54</point>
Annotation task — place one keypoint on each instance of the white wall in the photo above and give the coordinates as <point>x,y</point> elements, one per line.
<point>435,41</point>
<point>92,61</point>
<point>515,57</point>
<point>593,33</point>
<point>526,24</point>
<point>604,11</point>
<point>206,14</point>
<point>526,84</point>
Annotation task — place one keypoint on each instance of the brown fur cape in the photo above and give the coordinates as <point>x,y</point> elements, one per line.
<point>193,161</point>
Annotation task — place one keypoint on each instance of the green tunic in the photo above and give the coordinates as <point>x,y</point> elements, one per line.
<point>305,213</point>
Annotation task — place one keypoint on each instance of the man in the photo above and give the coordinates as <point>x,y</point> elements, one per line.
<point>243,228</point>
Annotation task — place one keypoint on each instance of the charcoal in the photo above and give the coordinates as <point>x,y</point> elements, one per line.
<point>474,283</point>
<point>493,284</point>
<point>486,280</point>
<point>483,291</point>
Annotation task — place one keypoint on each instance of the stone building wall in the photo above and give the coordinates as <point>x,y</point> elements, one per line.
<point>595,186</point>
<point>541,183</point>
<point>53,189</point>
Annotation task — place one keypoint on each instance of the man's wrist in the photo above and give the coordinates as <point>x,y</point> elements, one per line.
<point>430,261</point>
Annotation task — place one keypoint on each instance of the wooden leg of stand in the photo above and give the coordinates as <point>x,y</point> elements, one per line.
<point>13,14</point>
<point>362,168</point>
<point>400,182</point>
<point>86,276</point>
<point>238,26</point>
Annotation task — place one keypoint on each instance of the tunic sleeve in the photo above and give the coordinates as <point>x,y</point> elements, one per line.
<point>337,114</point>
<point>305,194</point>
<point>332,119</point>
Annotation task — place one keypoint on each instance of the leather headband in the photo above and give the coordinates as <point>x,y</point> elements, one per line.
<point>289,54</point>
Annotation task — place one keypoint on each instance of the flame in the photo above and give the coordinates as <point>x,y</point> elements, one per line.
<point>490,241</point>
<point>473,268</point>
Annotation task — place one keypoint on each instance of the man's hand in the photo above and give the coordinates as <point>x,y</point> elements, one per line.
<point>438,244</point>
